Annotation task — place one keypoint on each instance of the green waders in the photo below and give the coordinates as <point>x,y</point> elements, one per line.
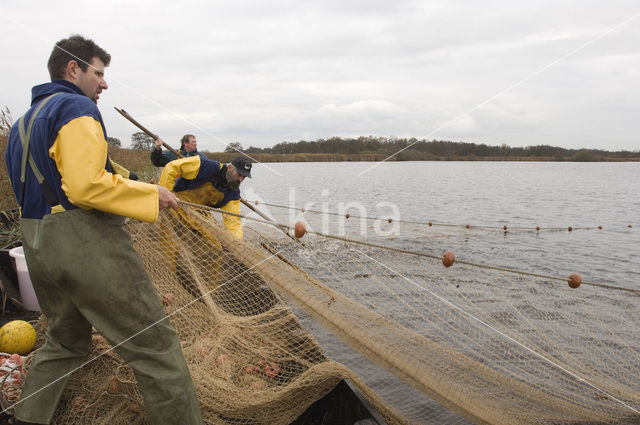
<point>85,272</point>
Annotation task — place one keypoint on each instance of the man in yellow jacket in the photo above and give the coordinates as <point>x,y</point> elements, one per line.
<point>222,182</point>
<point>81,259</point>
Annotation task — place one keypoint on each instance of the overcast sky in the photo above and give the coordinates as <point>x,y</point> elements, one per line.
<point>564,73</point>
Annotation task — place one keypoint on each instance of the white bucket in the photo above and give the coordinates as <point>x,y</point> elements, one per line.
<point>27,294</point>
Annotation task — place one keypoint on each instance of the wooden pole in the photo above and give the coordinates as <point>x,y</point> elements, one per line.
<point>155,137</point>
<point>147,132</point>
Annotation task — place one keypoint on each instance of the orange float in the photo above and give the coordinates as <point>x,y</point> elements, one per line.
<point>257,202</point>
<point>134,408</point>
<point>430,223</point>
<point>303,210</point>
<point>504,227</point>
<point>468,226</point>
<point>569,228</point>
<point>300,229</point>
<point>575,280</point>
<point>168,298</point>
<point>599,227</point>
<point>390,220</point>
<point>114,385</point>
<point>347,215</point>
<point>271,370</point>
<point>537,227</point>
<point>448,259</point>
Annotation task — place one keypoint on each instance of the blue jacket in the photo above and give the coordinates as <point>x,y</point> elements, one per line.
<point>210,171</point>
<point>68,145</point>
<point>160,158</point>
<point>191,173</point>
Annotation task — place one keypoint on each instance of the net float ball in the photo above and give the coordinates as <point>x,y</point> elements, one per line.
<point>390,220</point>
<point>569,228</point>
<point>302,209</point>
<point>347,215</point>
<point>448,259</point>
<point>257,202</point>
<point>599,227</point>
<point>300,229</point>
<point>504,228</point>
<point>430,223</point>
<point>17,337</point>
<point>629,226</point>
<point>538,228</point>
<point>468,226</point>
<point>574,280</point>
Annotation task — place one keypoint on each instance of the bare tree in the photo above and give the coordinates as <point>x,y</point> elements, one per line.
<point>234,147</point>
<point>5,121</point>
<point>140,140</point>
<point>114,141</point>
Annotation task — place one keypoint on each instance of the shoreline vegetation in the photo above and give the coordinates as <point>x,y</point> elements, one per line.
<point>370,148</point>
<point>338,149</point>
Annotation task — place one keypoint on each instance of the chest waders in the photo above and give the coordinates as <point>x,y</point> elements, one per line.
<point>86,273</point>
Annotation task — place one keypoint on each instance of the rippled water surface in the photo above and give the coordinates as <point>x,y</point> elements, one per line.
<point>516,194</point>
<point>486,195</point>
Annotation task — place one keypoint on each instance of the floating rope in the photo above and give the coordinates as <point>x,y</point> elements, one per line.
<point>406,251</point>
<point>432,223</point>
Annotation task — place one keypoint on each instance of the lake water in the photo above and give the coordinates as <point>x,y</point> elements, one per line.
<point>486,195</point>
<point>516,194</point>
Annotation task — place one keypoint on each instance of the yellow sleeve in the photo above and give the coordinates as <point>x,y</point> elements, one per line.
<point>80,153</point>
<point>232,222</point>
<point>183,167</point>
<point>119,169</point>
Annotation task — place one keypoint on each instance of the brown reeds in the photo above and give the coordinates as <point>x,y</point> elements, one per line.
<point>7,199</point>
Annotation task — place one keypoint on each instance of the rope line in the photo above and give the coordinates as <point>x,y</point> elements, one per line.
<point>428,223</point>
<point>535,353</point>
<point>407,251</point>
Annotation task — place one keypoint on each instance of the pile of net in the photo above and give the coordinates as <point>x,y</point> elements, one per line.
<point>270,324</point>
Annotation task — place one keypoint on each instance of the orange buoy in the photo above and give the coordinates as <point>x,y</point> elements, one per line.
<point>629,226</point>
<point>575,280</point>
<point>468,226</point>
<point>430,224</point>
<point>303,210</point>
<point>538,228</point>
<point>599,227</point>
<point>257,202</point>
<point>300,229</point>
<point>569,228</point>
<point>347,215</point>
<point>390,219</point>
<point>448,259</point>
<point>504,227</point>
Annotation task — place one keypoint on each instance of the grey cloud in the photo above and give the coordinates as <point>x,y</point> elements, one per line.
<point>262,72</point>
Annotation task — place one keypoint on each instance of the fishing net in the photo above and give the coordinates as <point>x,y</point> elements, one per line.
<point>270,324</point>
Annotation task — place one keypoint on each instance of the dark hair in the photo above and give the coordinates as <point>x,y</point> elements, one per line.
<point>185,139</point>
<point>75,48</point>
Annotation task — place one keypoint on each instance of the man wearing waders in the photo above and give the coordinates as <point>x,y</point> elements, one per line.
<point>80,258</point>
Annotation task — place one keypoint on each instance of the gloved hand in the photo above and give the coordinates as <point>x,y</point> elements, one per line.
<point>133,176</point>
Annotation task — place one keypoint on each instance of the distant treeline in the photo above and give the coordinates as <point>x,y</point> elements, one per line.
<point>376,148</point>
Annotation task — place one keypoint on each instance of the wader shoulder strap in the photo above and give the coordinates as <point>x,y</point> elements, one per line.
<point>25,139</point>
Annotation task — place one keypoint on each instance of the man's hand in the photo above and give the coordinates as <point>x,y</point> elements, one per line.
<point>166,198</point>
<point>159,143</point>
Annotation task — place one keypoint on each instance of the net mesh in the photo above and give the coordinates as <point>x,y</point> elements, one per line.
<point>269,325</point>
